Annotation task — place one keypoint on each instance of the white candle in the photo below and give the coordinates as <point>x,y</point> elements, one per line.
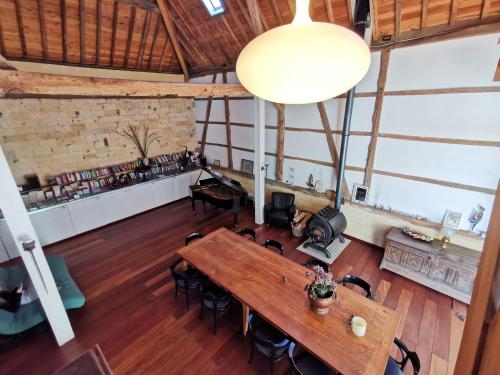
<point>358,326</point>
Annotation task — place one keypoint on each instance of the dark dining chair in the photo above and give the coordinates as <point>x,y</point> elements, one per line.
<point>311,262</point>
<point>267,339</point>
<point>188,279</point>
<point>395,367</point>
<point>244,232</point>
<point>216,299</point>
<point>191,237</point>
<point>350,279</point>
<point>274,245</point>
<point>304,363</point>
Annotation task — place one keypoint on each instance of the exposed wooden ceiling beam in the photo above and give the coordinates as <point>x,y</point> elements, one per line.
<point>13,83</point>
<point>43,29</point>
<point>141,4</point>
<point>276,12</point>
<point>453,12</point>
<point>486,9</point>
<point>255,18</point>
<point>113,34</point>
<point>329,11</point>
<point>64,30</point>
<point>20,27</point>
<point>153,43</point>
<point>167,19</point>
<point>397,16</point>
<point>237,21</point>
<point>98,33</point>
<point>163,54</point>
<point>425,13</point>
<point>440,32</point>
<point>82,31</point>
<point>145,33</point>
<point>131,26</point>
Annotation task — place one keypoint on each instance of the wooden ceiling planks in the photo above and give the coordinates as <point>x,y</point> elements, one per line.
<point>131,34</point>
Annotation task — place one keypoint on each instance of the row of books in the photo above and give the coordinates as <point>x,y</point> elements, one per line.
<point>159,162</point>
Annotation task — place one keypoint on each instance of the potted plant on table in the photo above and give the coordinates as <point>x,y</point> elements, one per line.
<point>322,291</point>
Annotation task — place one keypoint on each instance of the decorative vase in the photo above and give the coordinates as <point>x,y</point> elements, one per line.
<point>320,305</point>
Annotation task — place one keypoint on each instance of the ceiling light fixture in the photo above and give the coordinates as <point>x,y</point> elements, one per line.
<point>303,62</point>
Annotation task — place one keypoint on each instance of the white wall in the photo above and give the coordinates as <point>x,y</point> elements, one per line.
<point>469,62</point>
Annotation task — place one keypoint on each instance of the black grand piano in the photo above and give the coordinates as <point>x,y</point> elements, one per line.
<point>219,191</point>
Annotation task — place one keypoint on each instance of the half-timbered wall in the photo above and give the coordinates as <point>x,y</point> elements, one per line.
<point>438,143</point>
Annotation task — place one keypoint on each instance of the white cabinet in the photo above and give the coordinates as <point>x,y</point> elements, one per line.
<point>126,202</point>
<point>138,198</point>
<point>7,240</point>
<point>163,191</point>
<point>87,214</point>
<point>53,224</point>
<point>181,186</point>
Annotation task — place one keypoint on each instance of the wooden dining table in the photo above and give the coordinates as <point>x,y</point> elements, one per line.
<point>273,286</point>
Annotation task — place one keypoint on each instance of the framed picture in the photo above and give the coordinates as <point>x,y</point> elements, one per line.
<point>452,219</point>
<point>246,166</point>
<point>216,163</point>
<point>360,194</point>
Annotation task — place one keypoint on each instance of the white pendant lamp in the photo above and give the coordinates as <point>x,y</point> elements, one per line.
<point>303,62</point>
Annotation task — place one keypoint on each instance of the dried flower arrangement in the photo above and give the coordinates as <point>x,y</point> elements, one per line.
<point>142,141</point>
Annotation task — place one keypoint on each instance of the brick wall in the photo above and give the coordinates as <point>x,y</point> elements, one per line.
<point>52,136</point>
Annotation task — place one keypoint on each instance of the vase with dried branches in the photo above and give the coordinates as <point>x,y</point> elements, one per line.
<point>142,138</point>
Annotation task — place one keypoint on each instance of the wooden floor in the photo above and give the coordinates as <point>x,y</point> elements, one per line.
<point>123,270</point>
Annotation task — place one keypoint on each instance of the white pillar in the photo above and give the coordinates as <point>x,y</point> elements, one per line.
<point>22,230</point>
<point>259,157</point>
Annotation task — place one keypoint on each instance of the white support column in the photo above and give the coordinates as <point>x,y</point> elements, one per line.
<point>259,155</point>
<point>22,230</point>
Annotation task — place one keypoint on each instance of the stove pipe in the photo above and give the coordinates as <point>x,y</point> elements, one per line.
<point>361,20</point>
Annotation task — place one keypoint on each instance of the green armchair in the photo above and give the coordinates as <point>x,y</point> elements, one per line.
<point>31,314</point>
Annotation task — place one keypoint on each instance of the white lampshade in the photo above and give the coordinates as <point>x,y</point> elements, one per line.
<point>303,62</point>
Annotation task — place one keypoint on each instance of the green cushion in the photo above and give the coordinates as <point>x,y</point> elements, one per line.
<point>32,314</point>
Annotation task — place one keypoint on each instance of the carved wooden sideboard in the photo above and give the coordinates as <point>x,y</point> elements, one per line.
<point>451,271</point>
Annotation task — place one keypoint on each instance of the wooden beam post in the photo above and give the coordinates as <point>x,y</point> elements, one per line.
<point>377,111</point>
<point>280,147</point>
<point>331,146</point>
<point>207,120</point>
<point>167,19</point>
<point>484,305</point>
<point>259,158</point>
<point>228,126</point>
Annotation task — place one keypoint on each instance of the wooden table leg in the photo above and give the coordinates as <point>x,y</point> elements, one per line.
<point>246,312</point>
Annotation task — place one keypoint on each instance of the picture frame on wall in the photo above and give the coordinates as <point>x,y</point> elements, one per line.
<point>360,194</point>
<point>216,163</point>
<point>246,166</point>
<point>452,219</point>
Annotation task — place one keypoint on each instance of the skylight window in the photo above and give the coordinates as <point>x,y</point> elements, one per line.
<point>214,7</point>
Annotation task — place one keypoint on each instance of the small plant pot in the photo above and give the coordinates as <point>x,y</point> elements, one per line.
<point>321,306</point>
